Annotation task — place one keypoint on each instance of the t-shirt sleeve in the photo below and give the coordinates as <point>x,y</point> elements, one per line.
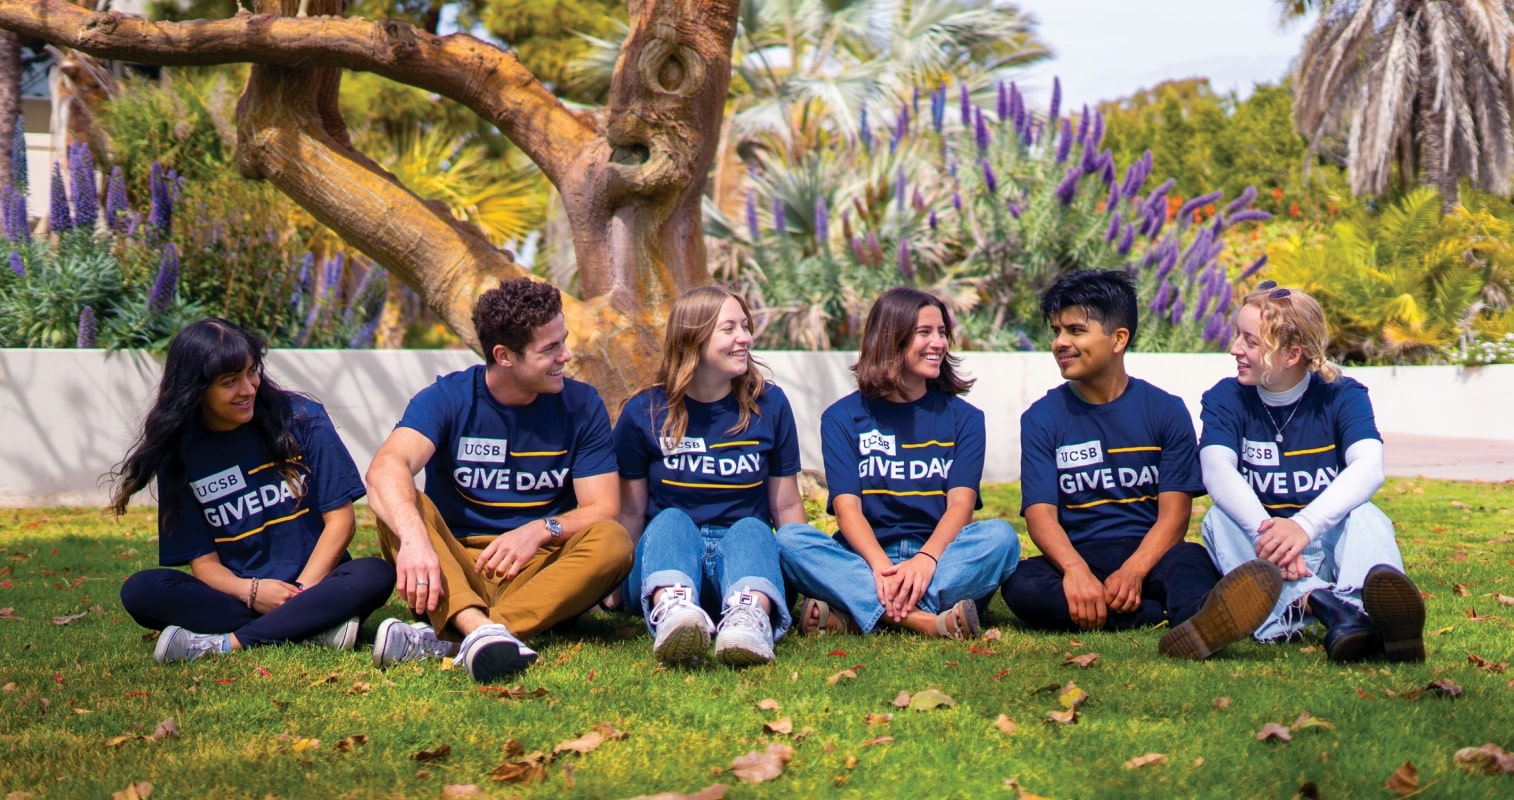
<point>1219,413</point>
<point>333,479</point>
<point>182,536</point>
<point>967,454</point>
<point>631,454</point>
<point>428,414</point>
<point>838,445</point>
<point>596,448</point>
<point>1180,453</point>
<point>785,460</point>
<point>1354,419</point>
<point>1038,467</point>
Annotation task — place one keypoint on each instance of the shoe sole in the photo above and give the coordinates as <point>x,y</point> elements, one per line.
<point>498,660</point>
<point>1397,610</point>
<point>1237,605</point>
<point>740,656</point>
<point>1352,647</point>
<point>160,650</point>
<point>688,642</point>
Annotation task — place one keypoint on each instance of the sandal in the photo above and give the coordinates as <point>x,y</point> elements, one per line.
<point>827,620</point>
<point>964,613</point>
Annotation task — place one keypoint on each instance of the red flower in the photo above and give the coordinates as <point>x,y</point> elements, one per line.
<point>1293,209</point>
<point>1277,193</point>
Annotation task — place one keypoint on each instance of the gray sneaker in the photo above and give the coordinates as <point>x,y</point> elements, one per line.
<point>491,652</point>
<point>683,629</point>
<point>746,634</point>
<point>342,637</point>
<point>396,642</point>
<point>177,644</point>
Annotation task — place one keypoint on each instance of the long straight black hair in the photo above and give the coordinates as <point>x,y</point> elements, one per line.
<point>199,354</point>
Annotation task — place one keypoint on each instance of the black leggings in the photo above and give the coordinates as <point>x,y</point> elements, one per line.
<point>157,598</point>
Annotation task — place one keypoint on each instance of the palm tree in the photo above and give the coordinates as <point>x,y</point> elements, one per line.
<point>1423,85</point>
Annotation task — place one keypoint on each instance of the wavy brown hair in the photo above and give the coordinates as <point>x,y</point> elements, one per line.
<point>1293,320</point>
<point>691,323</point>
<point>886,335</point>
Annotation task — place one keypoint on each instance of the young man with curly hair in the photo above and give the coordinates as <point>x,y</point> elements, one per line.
<point>517,528</point>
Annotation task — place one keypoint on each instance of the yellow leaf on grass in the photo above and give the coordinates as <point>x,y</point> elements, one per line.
<point>1404,780</point>
<point>1306,721</point>
<point>116,741</point>
<point>877,719</point>
<point>1149,758</point>
<point>304,745</point>
<point>930,699</point>
<point>1072,697</point>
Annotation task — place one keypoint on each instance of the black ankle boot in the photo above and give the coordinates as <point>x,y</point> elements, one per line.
<point>1349,634</point>
<point>1398,612</point>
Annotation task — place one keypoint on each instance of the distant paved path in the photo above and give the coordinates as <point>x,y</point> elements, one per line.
<point>1410,456</point>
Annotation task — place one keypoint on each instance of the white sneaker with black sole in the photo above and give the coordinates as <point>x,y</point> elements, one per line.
<point>746,633</point>
<point>683,629</point>
<point>491,652</point>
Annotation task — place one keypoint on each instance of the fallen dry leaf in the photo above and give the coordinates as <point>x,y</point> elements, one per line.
<point>513,692</point>
<point>1066,717</point>
<point>1149,758</point>
<point>437,753</point>
<point>877,719</point>
<point>992,635</point>
<point>64,620</point>
<point>902,701</point>
<point>583,744</point>
<point>846,673</point>
<point>1460,590</point>
<point>302,745</point>
<point>513,748</point>
<point>8,612</point>
<point>461,791</point>
<point>768,705</point>
<point>1020,793</point>
<point>1306,721</point>
<point>782,727</point>
<point>930,699</point>
<point>116,741</point>
<point>713,792</point>
<point>1006,725</point>
<point>1071,697</point>
<point>757,767</point>
<point>1404,780</point>
<point>136,790</point>
<point>1272,730</point>
<point>360,688</point>
<point>1085,661</point>
<point>1484,664</point>
<point>528,770</point>
<point>165,729</point>
<point>346,743</point>
<point>1489,758</point>
<point>1445,687</point>
<point>9,687</point>
<point>569,653</point>
<point>876,740</point>
<point>1221,703</point>
<point>1504,600</point>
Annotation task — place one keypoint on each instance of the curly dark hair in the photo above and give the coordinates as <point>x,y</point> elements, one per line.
<point>199,354</point>
<point>510,314</point>
<point>1108,296</point>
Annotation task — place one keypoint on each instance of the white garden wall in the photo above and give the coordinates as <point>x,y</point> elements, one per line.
<point>66,416</point>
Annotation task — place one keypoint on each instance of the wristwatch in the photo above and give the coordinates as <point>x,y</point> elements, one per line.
<point>554,528</point>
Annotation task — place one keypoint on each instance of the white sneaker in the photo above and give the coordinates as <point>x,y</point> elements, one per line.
<point>746,634</point>
<point>491,652</point>
<point>396,642</point>
<point>342,637</point>
<point>178,644</point>
<point>683,629</point>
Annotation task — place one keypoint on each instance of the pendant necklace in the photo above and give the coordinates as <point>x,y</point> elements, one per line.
<point>1277,427</point>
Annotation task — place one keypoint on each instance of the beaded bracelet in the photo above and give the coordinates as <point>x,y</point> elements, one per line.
<point>252,595</point>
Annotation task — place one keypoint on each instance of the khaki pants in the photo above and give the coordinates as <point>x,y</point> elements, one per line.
<point>560,582</point>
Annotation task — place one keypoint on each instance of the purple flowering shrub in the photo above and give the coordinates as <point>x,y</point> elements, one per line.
<point>985,207</point>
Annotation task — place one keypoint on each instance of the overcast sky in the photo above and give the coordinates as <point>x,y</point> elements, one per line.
<point>1107,49</point>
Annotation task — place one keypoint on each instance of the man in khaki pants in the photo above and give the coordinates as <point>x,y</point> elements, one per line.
<point>516,530</point>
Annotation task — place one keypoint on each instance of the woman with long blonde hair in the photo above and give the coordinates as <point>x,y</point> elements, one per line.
<point>1291,456</point>
<point>709,458</point>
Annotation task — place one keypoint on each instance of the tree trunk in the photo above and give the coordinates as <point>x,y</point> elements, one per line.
<point>631,175</point>
<point>10,100</point>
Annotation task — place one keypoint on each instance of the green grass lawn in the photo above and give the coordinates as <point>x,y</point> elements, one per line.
<point>297,722</point>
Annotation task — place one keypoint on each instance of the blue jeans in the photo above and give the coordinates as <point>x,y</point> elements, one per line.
<point>1339,559</point>
<point>713,561</point>
<point>825,568</point>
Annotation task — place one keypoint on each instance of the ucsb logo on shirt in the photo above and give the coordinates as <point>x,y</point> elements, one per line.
<point>875,441</point>
<point>689,444</point>
<point>1073,456</point>
<point>1262,454</point>
<point>218,485</point>
<point>481,451</point>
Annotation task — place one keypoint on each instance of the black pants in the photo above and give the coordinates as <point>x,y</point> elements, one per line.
<point>1174,590</point>
<point>157,598</point>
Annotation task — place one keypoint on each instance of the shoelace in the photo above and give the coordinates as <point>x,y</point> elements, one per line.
<point>666,605</point>
<point>202,645</point>
<point>743,616</point>
<point>418,643</point>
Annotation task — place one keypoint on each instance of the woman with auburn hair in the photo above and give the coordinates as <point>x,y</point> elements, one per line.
<point>1291,456</point>
<point>709,459</point>
<point>903,460</point>
<point>255,494</point>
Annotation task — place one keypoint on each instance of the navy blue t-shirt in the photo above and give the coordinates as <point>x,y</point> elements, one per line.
<point>902,458</point>
<point>1317,430</point>
<point>498,467</point>
<point>716,477</point>
<point>1103,466</point>
<point>238,506</point>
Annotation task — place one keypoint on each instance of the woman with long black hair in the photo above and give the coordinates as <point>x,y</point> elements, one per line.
<point>255,494</point>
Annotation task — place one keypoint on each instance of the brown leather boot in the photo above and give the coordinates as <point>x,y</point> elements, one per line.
<point>1235,607</point>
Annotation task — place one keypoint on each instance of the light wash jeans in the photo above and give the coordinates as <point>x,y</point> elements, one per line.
<point>713,561</point>
<point>1339,559</point>
<point>823,567</point>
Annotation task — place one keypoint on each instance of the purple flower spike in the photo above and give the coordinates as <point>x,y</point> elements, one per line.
<point>938,108</point>
<point>19,175</point>
<point>1169,259</point>
<point>1068,188</point>
<point>116,208</point>
<point>754,230</point>
<point>901,129</point>
<point>1186,212</point>
<point>1214,328</point>
<point>857,252</point>
<point>1256,266</point>
<point>874,250</point>
<point>1082,124</point>
<point>1023,342</point>
<point>1096,135</point>
<point>1107,173</point>
<point>1005,110</point>
<point>906,261</point>
<point>1127,241</point>
<point>932,220</point>
<point>1249,215</point>
<point>917,200</point>
<point>88,330</point>
<point>81,173</point>
<point>1114,227</point>
<point>1064,143</point>
<point>865,133</point>
<point>914,101</point>
<point>160,215</point>
<point>957,201</point>
<point>1176,315</point>
<point>1014,210</point>
<point>822,221</point>
<point>1056,100</point>
<point>980,133</point>
<point>167,283</point>
<point>1244,199</point>
<point>1162,298</point>
<point>899,188</point>
<point>1113,200</point>
<point>967,107</point>
<point>990,180</point>
<point>780,225</point>
<point>58,218</point>
<point>1017,110</point>
<point>17,265</point>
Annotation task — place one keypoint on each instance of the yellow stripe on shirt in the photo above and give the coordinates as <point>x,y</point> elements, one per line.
<point>713,485</point>
<point>735,444</point>
<point>261,467</point>
<point>931,443</point>
<point>904,494</point>
<point>1143,449</point>
<point>262,527</point>
<point>540,453</point>
<point>477,502</point>
<point>1283,505</point>
<point>1324,449</point>
<point>1113,500</point>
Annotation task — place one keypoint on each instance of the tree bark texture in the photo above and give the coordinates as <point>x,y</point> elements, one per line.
<point>10,99</point>
<point>631,175</point>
